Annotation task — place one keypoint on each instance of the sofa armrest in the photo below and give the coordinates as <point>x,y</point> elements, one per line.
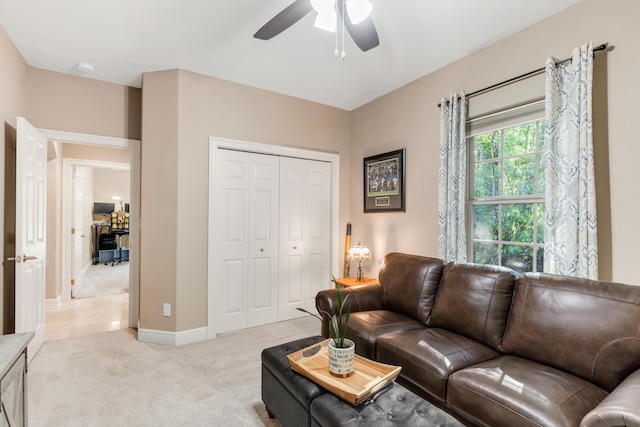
<point>361,298</point>
<point>620,408</point>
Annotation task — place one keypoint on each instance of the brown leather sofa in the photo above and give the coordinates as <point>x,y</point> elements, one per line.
<point>495,348</point>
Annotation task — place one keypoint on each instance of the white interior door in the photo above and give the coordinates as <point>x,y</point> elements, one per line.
<point>77,231</point>
<point>305,225</point>
<point>245,239</point>
<point>30,257</point>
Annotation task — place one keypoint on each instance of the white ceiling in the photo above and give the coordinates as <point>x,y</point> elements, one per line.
<point>124,38</point>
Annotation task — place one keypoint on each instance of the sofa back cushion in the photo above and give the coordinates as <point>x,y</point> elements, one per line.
<point>409,284</point>
<point>584,327</point>
<point>473,300</point>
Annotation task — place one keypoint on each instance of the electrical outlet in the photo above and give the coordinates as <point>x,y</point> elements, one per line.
<point>166,310</point>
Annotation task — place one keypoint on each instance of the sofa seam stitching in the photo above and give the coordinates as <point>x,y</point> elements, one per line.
<point>497,403</point>
<point>488,310</point>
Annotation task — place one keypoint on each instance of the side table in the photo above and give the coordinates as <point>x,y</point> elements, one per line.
<point>346,282</point>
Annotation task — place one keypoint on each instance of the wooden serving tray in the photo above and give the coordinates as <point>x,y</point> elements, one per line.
<point>368,377</point>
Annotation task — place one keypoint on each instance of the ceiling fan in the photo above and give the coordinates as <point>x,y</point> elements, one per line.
<point>359,23</point>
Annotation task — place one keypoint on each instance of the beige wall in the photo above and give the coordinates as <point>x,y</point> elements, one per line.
<point>408,117</point>
<point>96,152</point>
<point>159,186</point>
<point>13,82</point>
<point>76,104</point>
<point>110,182</point>
<point>210,107</point>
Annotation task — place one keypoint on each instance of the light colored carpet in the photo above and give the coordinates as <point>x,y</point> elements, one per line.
<point>101,280</point>
<point>111,379</point>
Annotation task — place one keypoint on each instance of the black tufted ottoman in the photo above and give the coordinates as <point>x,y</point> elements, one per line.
<point>286,394</point>
<point>393,406</point>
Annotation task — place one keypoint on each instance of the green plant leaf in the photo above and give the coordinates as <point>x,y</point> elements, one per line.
<point>338,322</point>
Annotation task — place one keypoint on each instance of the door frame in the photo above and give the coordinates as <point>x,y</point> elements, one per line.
<point>134,146</point>
<point>255,147</point>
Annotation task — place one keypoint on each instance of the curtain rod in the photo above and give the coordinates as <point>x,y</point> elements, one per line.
<point>522,76</point>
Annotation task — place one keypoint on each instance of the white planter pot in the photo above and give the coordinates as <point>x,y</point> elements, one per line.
<point>341,359</point>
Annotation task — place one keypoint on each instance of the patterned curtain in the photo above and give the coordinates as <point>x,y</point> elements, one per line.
<point>570,237</point>
<point>452,243</point>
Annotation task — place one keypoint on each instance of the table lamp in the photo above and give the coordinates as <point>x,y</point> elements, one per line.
<point>359,253</point>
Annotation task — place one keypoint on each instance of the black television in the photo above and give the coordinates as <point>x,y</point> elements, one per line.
<point>103,208</point>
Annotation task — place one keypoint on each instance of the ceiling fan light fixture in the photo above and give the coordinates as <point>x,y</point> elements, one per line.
<point>358,10</point>
<point>323,5</point>
<point>327,20</point>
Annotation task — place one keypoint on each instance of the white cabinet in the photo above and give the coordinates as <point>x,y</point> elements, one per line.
<point>13,378</point>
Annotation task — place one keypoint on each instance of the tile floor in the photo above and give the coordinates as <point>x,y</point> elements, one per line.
<point>85,316</point>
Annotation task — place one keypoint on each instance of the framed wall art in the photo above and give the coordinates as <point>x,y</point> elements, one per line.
<point>384,182</point>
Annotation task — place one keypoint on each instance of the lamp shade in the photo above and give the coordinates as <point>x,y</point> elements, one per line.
<point>360,253</point>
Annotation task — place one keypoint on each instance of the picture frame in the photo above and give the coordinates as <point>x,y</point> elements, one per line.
<point>384,182</point>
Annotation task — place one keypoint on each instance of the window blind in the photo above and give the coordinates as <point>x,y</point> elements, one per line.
<point>506,118</point>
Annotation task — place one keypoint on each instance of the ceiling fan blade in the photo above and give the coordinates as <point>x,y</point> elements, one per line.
<point>283,20</point>
<point>364,34</point>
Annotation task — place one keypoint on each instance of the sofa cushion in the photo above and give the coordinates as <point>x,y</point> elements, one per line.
<point>511,391</point>
<point>429,356</point>
<point>366,327</point>
<point>409,284</point>
<point>474,300</point>
<point>585,327</point>
<point>620,408</point>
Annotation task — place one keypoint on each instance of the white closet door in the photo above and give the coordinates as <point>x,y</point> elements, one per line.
<point>245,235</point>
<point>305,189</point>
<point>264,189</point>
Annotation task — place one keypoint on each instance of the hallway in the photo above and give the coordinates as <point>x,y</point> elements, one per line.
<point>86,316</point>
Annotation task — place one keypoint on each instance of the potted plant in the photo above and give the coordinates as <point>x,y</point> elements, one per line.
<point>341,349</point>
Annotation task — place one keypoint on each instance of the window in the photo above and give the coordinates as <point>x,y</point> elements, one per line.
<point>506,197</point>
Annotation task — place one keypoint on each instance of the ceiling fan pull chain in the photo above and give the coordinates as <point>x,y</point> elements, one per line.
<point>335,53</point>
<point>343,30</point>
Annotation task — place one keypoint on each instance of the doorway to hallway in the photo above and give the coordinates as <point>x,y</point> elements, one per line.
<point>93,310</point>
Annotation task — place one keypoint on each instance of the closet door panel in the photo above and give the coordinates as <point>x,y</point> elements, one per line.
<point>304,234</point>
<point>230,230</point>
<point>264,188</point>
<point>245,235</point>
<point>318,237</point>
<point>292,235</point>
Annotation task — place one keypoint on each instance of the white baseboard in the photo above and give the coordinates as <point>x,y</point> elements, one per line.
<point>53,302</point>
<point>172,338</point>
